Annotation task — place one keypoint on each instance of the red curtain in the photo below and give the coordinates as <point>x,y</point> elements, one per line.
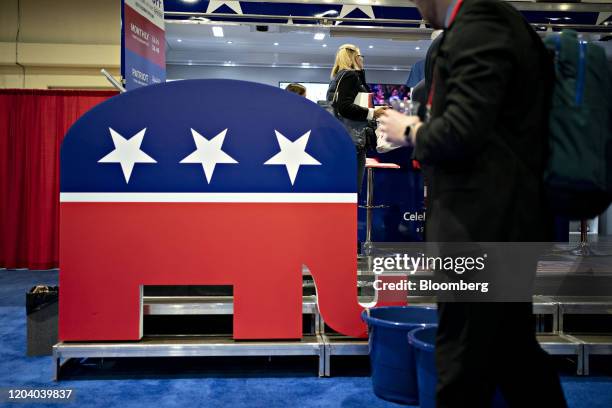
<point>32,126</point>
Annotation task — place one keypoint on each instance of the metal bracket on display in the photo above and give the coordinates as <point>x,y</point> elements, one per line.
<point>116,84</point>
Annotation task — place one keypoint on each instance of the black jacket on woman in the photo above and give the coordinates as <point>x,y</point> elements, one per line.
<point>351,83</point>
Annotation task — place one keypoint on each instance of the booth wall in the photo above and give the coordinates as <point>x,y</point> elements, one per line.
<point>274,75</point>
<point>58,43</point>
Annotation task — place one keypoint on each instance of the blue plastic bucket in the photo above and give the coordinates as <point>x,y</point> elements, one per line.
<point>393,364</point>
<point>423,342</point>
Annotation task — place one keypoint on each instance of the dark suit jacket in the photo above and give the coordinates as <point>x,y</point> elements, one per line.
<point>420,92</point>
<point>484,150</point>
<point>351,83</point>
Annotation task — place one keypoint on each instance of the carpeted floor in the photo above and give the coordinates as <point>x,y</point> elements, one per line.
<point>202,382</point>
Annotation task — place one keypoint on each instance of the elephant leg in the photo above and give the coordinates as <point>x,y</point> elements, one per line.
<point>98,309</point>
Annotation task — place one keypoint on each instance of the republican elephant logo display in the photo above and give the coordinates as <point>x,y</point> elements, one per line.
<point>207,182</point>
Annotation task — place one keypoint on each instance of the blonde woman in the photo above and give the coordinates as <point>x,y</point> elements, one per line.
<point>347,80</point>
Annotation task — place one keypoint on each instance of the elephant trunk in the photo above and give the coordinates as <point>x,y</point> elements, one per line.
<point>335,277</point>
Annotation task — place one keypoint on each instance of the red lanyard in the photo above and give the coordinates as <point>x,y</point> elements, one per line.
<point>431,91</point>
<point>454,12</point>
<point>433,80</point>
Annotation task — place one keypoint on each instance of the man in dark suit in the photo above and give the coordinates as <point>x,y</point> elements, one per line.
<point>483,153</point>
<point>421,90</point>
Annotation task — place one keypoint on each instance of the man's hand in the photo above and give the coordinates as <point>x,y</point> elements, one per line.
<point>394,125</point>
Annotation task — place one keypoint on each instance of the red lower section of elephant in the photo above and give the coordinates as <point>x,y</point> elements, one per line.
<point>109,250</point>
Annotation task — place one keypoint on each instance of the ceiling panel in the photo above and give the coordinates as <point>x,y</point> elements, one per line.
<point>282,46</point>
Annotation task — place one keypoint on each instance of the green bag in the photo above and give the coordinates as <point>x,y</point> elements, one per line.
<point>579,172</point>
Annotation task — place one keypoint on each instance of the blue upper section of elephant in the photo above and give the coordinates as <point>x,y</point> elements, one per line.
<point>208,136</point>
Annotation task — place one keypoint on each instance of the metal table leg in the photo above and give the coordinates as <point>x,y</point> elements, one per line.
<point>367,245</point>
<point>580,369</point>
<point>56,368</point>
<point>585,359</point>
<point>322,358</point>
<point>555,322</point>
<point>57,363</point>
<point>327,356</point>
